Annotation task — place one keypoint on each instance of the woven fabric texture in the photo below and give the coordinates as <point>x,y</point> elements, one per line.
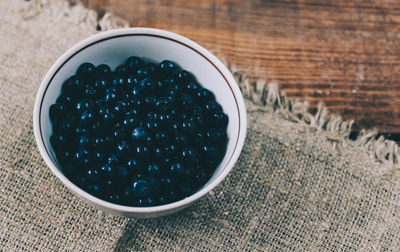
<point>299,185</point>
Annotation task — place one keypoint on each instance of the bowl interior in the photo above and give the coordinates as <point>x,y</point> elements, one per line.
<point>114,50</point>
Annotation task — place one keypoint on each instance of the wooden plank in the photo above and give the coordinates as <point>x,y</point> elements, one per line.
<point>344,54</point>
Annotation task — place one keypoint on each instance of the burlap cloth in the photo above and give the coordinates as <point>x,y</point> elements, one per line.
<point>300,183</point>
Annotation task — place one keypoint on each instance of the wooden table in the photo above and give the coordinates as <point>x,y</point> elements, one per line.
<point>345,54</point>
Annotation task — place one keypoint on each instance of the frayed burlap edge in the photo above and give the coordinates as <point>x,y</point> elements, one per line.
<point>262,95</point>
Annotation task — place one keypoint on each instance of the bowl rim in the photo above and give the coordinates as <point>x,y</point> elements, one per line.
<point>219,66</point>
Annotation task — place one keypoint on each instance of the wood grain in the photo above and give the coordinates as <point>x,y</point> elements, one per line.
<point>343,53</point>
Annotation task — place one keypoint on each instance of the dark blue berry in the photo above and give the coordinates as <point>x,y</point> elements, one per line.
<point>111,95</point>
<point>73,85</point>
<point>189,154</point>
<point>56,111</point>
<point>184,76</point>
<point>135,165</point>
<point>220,119</point>
<point>161,136</point>
<point>204,95</point>
<point>167,66</point>
<point>177,170</point>
<point>141,152</point>
<point>153,170</point>
<point>86,70</point>
<point>84,141</point>
<point>139,134</point>
<point>113,160</point>
<point>123,149</point>
<point>87,118</point>
<point>92,175</point>
<point>83,105</point>
<point>141,188</point>
<point>58,141</point>
<point>82,157</point>
<point>103,70</point>
<point>134,62</point>
<point>130,122</point>
<point>122,69</point>
<point>188,126</point>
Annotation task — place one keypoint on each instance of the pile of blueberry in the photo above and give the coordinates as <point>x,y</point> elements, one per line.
<point>144,134</point>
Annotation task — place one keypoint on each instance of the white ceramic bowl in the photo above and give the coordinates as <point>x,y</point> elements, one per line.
<point>112,48</point>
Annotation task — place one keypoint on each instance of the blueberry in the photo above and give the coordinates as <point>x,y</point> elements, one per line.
<point>80,130</point>
<point>150,101</point>
<point>102,142</point>
<point>188,126</point>
<point>158,152</point>
<point>186,103</point>
<point>98,157</point>
<point>118,134</point>
<point>86,70</point>
<point>220,119</point>
<point>82,157</point>
<point>135,165</point>
<point>204,95</point>
<point>181,139</point>
<point>189,154</point>
<point>170,149</point>
<point>141,188</point>
<point>121,108</point>
<point>101,84</point>
<point>95,189</point>
<point>147,85</point>
<point>122,173</point>
<point>66,101</point>
<point>167,66</point>
<point>122,69</point>
<point>87,118</point>
<point>141,73</point>
<point>107,117</point>
<point>185,188</point>
<point>198,138</point>
<point>66,126</point>
<point>184,76</point>
<point>153,170</point>
<point>123,149</point>
<point>131,81</point>
<point>113,160</point>
<point>73,85</point>
<point>103,70</point>
<point>118,82</point>
<point>161,136</point>
<point>212,106</point>
<point>84,141</point>
<point>164,118</point>
<point>155,184</point>
<point>130,122</point>
<point>64,156</point>
<point>83,105</point>
<point>151,124</point>
<point>167,184</point>
<point>134,62</point>
<point>210,151</point>
<point>176,170</point>
<point>58,141</point>
<point>90,91</point>
<point>106,171</point>
<point>139,134</point>
<point>115,198</point>
<point>141,152</point>
<point>92,175</point>
<point>55,112</point>
<point>191,87</point>
<point>111,95</point>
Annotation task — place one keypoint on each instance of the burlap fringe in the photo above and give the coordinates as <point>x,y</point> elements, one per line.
<point>266,95</point>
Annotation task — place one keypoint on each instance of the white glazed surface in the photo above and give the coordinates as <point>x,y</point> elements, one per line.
<point>112,48</point>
